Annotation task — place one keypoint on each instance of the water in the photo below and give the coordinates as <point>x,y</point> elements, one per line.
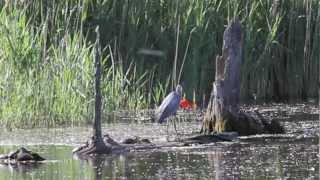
<point>294,155</point>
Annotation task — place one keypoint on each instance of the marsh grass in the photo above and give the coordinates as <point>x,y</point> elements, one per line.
<point>55,87</point>
<point>47,67</point>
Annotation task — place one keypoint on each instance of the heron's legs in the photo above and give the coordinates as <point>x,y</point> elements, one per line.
<point>175,128</point>
<point>174,125</point>
<point>172,120</point>
<point>167,130</point>
<point>169,123</point>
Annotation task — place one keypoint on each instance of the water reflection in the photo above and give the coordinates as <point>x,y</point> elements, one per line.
<point>98,164</point>
<point>290,156</point>
<point>275,160</point>
<point>20,168</point>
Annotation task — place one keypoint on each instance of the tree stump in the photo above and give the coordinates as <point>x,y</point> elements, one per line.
<point>223,113</point>
<point>96,144</point>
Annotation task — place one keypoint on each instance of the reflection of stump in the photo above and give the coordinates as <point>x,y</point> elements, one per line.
<point>223,112</point>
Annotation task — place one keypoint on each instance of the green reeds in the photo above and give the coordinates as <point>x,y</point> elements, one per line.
<point>47,67</point>
<point>56,87</point>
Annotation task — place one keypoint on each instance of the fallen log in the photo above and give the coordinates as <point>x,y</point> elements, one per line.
<point>143,144</point>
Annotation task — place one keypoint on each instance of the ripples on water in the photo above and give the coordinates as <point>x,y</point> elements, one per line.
<point>294,155</point>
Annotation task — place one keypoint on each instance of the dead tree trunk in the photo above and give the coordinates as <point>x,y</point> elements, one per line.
<point>223,112</point>
<point>96,145</point>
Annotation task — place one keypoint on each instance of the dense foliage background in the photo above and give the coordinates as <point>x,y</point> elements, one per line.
<point>149,46</point>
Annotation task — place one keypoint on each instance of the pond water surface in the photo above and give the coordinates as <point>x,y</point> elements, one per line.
<point>294,155</point>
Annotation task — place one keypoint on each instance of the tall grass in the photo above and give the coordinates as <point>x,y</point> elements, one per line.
<point>52,84</point>
<point>47,67</point>
<point>278,61</point>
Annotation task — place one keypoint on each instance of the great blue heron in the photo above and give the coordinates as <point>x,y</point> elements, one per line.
<point>169,106</point>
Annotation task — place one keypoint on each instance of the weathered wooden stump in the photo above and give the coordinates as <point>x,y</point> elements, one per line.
<point>223,112</point>
<point>96,145</point>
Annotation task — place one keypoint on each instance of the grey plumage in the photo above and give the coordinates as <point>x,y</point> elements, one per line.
<point>169,105</point>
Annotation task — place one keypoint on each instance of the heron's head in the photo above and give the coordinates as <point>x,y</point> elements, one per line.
<point>179,89</point>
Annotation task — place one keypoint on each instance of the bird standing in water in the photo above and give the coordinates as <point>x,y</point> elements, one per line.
<point>169,106</point>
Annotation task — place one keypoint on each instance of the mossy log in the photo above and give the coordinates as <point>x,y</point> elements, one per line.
<point>223,113</point>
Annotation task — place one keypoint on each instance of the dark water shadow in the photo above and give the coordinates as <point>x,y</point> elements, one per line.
<point>21,168</point>
<point>100,164</point>
<point>97,163</point>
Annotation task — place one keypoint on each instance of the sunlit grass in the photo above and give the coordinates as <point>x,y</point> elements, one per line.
<point>46,63</point>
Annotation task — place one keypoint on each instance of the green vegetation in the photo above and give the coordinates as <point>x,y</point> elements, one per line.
<point>46,62</point>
